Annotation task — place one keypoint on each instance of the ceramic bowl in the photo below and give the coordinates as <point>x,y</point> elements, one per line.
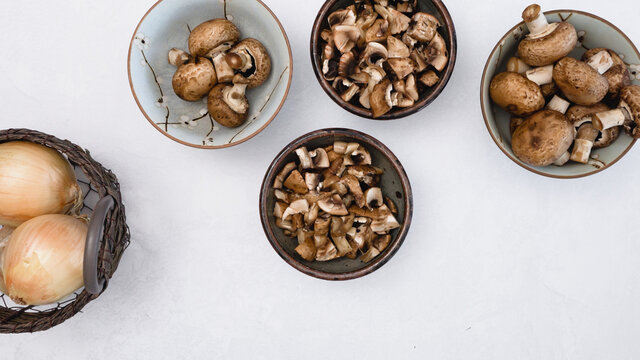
<point>448,32</point>
<point>394,183</point>
<point>593,32</point>
<point>167,25</point>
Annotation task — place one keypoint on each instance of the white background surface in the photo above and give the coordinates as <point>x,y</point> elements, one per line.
<point>499,264</point>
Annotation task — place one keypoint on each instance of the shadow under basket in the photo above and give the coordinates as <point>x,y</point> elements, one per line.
<point>107,238</point>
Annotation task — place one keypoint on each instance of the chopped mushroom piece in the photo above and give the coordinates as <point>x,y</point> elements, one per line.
<point>296,183</point>
<point>333,206</point>
<point>305,159</point>
<point>282,175</point>
<point>429,78</point>
<point>297,207</point>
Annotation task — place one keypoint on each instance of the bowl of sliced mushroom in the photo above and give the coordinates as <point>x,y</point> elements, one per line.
<point>336,204</point>
<point>560,93</point>
<point>383,59</point>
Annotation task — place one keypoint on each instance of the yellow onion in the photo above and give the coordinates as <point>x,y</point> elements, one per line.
<point>5,233</point>
<point>35,180</point>
<point>43,259</point>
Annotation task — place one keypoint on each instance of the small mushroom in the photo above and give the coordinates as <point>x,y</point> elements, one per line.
<point>333,205</point>
<point>579,82</point>
<point>255,64</point>
<point>178,57</point>
<point>516,94</point>
<point>543,138</point>
<point>423,27</point>
<point>580,114</point>
<point>627,114</point>
<point>546,43</point>
<point>193,80</point>
<point>380,99</point>
<point>617,75</point>
<point>583,145</point>
<point>212,34</point>
<point>228,105</point>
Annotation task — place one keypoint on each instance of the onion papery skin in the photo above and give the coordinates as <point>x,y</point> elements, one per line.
<point>35,180</point>
<point>5,234</point>
<point>43,259</point>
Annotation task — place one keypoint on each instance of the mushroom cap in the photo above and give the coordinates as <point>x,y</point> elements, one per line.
<point>193,80</point>
<point>211,34</point>
<point>579,82</point>
<point>548,49</point>
<point>618,75</point>
<point>631,95</point>
<point>221,112</point>
<point>543,138</point>
<point>516,94</point>
<point>578,112</point>
<point>260,56</point>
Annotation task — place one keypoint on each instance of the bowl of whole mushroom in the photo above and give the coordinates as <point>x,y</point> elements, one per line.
<point>560,93</point>
<point>210,74</point>
<point>383,59</point>
<point>336,204</point>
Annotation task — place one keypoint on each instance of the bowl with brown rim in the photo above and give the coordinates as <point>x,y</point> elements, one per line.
<point>447,31</point>
<point>394,183</point>
<point>593,32</point>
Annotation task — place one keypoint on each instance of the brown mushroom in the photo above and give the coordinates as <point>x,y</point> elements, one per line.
<point>345,37</point>
<point>543,138</point>
<point>546,43</point>
<point>627,114</point>
<point>254,64</point>
<point>516,94</point>
<point>436,53</point>
<point>381,98</point>
<point>333,206</point>
<point>517,65</point>
<point>378,32</point>
<point>583,145</point>
<point>423,27</point>
<point>296,182</point>
<point>579,82</point>
<point>617,75</point>
<point>228,105</point>
<point>212,34</point>
<point>398,22</point>
<point>178,57</point>
<point>193,80</point>
<point>580,114</point>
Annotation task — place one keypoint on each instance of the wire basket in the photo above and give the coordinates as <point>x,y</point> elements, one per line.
<point>107,238</point>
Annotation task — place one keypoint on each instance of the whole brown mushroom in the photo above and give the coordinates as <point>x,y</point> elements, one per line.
<point>546,43</point>
<point>254,62</point>
<point>543,138</point>
<point>228,105</point>
<point>579,82</point>
<point>617,74</point>
<point>212,34</point>
<point>193,80</point>
<point>579,114</point>
<point>516,94</point>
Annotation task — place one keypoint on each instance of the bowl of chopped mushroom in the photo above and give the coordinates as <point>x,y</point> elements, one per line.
<point>383,59</point>
<point>336,204</point>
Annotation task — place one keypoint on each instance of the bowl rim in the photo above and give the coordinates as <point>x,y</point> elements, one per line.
<point>401,113</point>
<point>483,95</point>
<point>378,262</point>
<point>250,136</point>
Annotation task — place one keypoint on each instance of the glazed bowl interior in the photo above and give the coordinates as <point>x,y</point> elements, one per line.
<point>593,32</point>
<point>394,184</point>
<point>447,31</point>
<point>167,25</point>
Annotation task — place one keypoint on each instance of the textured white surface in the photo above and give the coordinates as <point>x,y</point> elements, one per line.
<point>499,263</point>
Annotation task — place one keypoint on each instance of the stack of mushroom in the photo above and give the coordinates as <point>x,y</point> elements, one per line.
<point>561,105</point>
<point>216,57</point>
<point>369,74</point>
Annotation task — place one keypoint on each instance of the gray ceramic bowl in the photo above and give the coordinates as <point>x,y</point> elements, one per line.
<point>594,32</point>
<point>394,183</point>
<point>448,32</point>
<point>167,25</point>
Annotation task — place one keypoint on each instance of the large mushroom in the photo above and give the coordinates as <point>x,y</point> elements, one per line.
<point>252,60</point>
<point>211,35</point>
<point>193,80</point>
<point>543,138</point>
<point>579,82</point>
<point>546,43</point>
<point>516,94</point>
<point>228,105</point>
<point>615,71</point>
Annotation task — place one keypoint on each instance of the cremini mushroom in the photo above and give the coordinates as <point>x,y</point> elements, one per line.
<point>436,53</point>
<point>251,60</point>
<point>193,80</point>
<point>212,35</point>
<point>580,83</point>
<point>228,105</point>
<point>627,114</point>
<point>178,57</point>
<point>516,94</point>
<point>584,142</point>
<point>380,99</point>
<point>617,73</point>
<point>546,43</point>
<point>543,138</point>
<point>579,114</point>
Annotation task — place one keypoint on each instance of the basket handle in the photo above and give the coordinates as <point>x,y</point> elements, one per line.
<point>92,284</point>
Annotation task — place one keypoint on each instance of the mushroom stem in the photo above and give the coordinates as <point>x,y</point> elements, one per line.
<point>612,118</point>
<point>517,65</point>
<point>235,96</point>
<point>583,145</point>
<point>541,75</point>
<point>601,62</point>
<point>558,104</point>
<point>535,19</point>
<point>563,159</point>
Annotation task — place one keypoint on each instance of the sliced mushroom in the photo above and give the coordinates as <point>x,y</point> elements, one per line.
<point>307,249</point>
<point>378,32</point>
<point>374,54</point>
<point>423,27</point>
<point>297,207</point>
<point>380,99</point>
<point>342,17</point>
<point>398,22</point>
<point>373,197</point>
<point>345,37</point>
<point>305,158</point>
<point>279,209</point>
<point>296,182</point>
<point>320,158</point>
<point>436,53</point>
<point>396,48</point>
<point>429,78</point>
<point>277,184</point>
<point>385,224</point>
<point>333,206</point>
<point>401,67</point>
<point>326,251</point>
